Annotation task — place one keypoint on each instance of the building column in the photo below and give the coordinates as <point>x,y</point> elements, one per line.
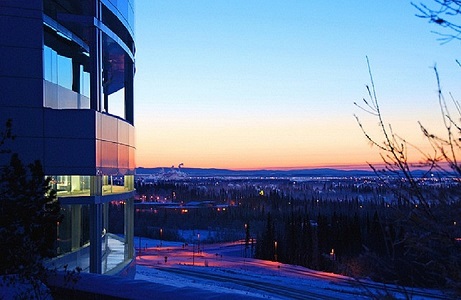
<point>75,76</point>
<point>96,60</point>
<point>106,101</point>
<point>76,81</point>
<point>96,225</point>
<point>129,90</point>
<point>129,228</point>
<point>105,224</point>
<point>76,226</point>
<point>95,238</point>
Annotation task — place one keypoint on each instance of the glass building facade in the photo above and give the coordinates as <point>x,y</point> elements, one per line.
<point>66,82</point>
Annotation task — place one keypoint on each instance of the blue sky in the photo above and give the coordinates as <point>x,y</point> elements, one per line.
<point>271,84</point>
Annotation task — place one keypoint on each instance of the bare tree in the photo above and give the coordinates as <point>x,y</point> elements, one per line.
<point>443,13</point>
<point>423,246</point>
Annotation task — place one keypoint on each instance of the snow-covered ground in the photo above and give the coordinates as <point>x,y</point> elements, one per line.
<point>221,268</point>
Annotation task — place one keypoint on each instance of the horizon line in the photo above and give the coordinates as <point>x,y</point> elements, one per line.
<point>359,167</point>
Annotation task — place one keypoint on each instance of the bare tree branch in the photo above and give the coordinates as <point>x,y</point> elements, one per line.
<point>442,13</point>
<point>425,220</point>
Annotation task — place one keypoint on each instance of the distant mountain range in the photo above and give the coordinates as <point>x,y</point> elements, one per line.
<point>198,172</point>
<point>315,172</point>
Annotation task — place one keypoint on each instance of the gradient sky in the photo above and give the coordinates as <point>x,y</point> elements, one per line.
<point>246,84</point>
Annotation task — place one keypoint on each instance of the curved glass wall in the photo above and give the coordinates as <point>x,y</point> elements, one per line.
<point>73,237</point>
<point>125,11</point>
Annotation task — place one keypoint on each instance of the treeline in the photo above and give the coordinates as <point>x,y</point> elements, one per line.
<point>356,230</point>
<point>327,242</point>
<point>375,245</point>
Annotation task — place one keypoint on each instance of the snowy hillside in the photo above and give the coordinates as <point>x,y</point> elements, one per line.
<point>223,269</point>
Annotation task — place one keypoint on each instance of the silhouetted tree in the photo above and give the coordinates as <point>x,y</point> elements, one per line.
<point>265,244</point>
<point>29,212</point>
<point>376,239</point>
<point>427,217</point>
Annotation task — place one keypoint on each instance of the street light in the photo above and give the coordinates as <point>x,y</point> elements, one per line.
<point>161,236</point>
<point>58,249</point>
<point>332,254</point>
<point>247,240</point>
<point>275,246</point>
<point>198,244</point>
<point>139,249</point>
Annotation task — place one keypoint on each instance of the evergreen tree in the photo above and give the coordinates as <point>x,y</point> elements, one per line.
<point>267,250</point>
<point>29,213</point>
<point>376,241</point>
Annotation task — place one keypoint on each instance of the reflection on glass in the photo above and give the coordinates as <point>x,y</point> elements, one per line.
<point>84,82</point>
<point>58,97</point>
<point>62,90</point>
<point>50,64</point>
<point>64,72</point>
<point>73,236</point>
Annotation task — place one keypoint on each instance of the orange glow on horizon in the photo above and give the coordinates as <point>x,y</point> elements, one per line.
<point>272,144</point>
<point>361,161</point>
<point>237,167</point>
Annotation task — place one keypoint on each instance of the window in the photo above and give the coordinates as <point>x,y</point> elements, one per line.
<point>84,82</point>
<point>59,85</point>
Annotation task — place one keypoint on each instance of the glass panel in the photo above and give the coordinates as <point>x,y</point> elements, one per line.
<point>64,231</point>
<point>109,128</point>
<point>131,18</point>
<point>48,67</point>
<point>98,153</point>
<point>131,136</point>
<point>123,157</point>
<point>129,182</point>
<point>106,185</point>
<point>57,70</point>
<point>117,103</point>
<point>115,249</point>
<point>117,184</point>
<point>50,94</point>
<point>67,98</point>
<point>71,185</point>
<point>76,185</point>
<point>64,71</point>
<point>132,159</point>
<point>109,155</point>
<point>84,82</point>
<point>72,246</point>
<point>58,97</point>
<point>123,132</point>
<point>83,102</point>
<point>123,8</point>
